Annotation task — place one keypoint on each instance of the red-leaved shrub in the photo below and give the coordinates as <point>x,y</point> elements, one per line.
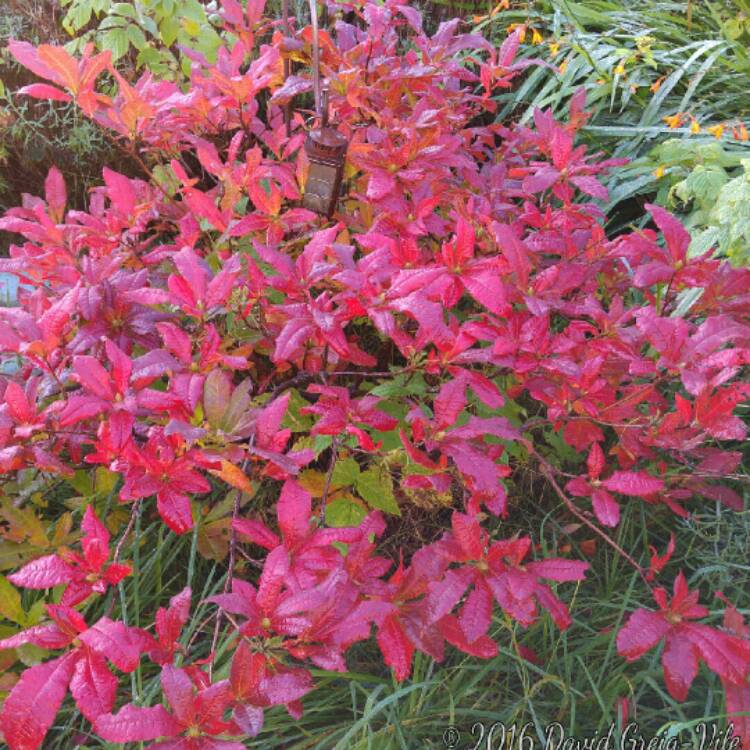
<point>168,332</point>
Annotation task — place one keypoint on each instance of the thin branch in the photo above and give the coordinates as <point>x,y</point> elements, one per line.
<point>134,511</point>
<point>549,471</point>
<point>329,476</point>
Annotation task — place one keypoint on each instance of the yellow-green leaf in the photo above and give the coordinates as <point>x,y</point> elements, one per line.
<point>10,602</point>
<point>376,487</point>
<point>345,511</point>
<point>345,472</point>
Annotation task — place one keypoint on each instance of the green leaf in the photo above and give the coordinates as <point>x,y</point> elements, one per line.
<point>345,472</point>
<point>399,386</point>
<point>169,28</point>
<point>295,421</point>
<point>115,40</point>
<point>10,602</point>
<point>137,37</point>
<point>321,442</point>
<point>124,9</point>
<point>344,512</point>
<point>82,482</point>
<point>113,22</point>
<point>376,487</point>
<point>77,17</point>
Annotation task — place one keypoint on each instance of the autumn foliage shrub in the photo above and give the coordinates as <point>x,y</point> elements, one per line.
<point>197,329</point>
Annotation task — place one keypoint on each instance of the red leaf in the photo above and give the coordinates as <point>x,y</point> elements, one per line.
<point>62,65</point>
<point>175,510</point>
<point>178,690</point>
<point>79,408</point>
<point>595,461</point>
<point>738,703</point>
<point>591,186</point>
<point>396,648</point>
<point>677,237</point>
<point>246,672</point>
<point>93,377</point>
<point>559,569</point>
<point>476,613</point>
<point>483,647</point>
<point>486,287</point>
<point>658,562</point>
<point>271,580</point>
<point>287,686</point>
<point>44,636</point>
<point>18,405</point>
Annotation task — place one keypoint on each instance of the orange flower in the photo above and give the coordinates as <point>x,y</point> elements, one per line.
<point>673,121</point>
<point>695,126</point>
<point>536,37</point>
<point>656,85</point>
<point>659,172</point>
<point>740,132</point>
<point>716,131</point>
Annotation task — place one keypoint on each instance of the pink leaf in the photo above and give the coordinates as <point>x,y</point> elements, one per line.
<point>42,573</point>
<point>137,724</point>
<point>114,640</point>
<point>55,194</point>
<point>95,543</point>
<point>31,707</point>
<point>606,508</point>
<point>45,91</point>
<point>294,508</point>
<point>93,686</point>
<point>396,648</point>
<point>257,532</point>
<point>636,483</point>
<point>680,662</point>
<point>642,631</point>
<point>450,402</point>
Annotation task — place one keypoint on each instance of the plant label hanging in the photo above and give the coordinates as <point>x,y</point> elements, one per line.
<point>326,150</point>
<point>325,146</point>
